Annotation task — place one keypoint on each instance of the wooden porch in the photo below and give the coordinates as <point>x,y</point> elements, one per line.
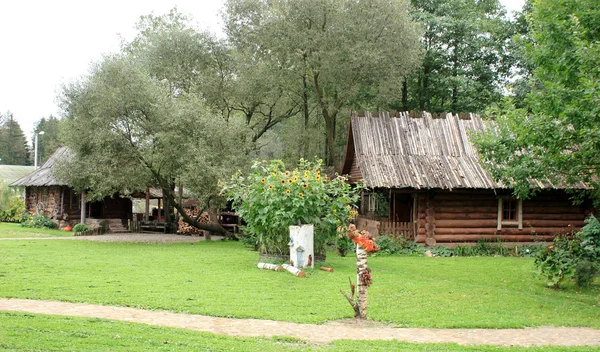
<point>383,226</point>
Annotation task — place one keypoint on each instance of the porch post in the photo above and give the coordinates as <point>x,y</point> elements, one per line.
<point>83,207</point>
<point>147,210</point>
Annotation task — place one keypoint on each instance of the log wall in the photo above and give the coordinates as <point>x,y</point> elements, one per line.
<point>469,216</point>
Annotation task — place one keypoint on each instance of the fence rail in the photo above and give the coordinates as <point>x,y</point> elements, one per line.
<point>395,228</point>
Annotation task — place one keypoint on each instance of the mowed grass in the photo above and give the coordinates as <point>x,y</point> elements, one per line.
<point>32,332</point>
<point>13,230</point>
<point>221,279</point>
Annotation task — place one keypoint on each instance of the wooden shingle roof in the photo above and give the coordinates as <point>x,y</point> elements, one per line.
<point>44,176</point>
<point>418,152</point>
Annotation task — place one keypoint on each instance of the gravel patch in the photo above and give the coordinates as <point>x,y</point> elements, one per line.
<point>130,237</point>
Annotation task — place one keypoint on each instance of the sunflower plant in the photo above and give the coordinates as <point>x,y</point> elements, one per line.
<point>271,198</point>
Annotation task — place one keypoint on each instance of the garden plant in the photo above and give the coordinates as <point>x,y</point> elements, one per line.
<point>271,199</point>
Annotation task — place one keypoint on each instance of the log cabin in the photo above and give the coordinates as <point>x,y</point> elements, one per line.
<point>424,182</point>
<point>45,193</point>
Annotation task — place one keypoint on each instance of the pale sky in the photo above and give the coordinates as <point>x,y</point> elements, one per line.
<point>47,43</point>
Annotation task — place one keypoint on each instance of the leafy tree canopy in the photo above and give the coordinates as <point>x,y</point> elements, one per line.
<point>13,144</point>
<point>348,53</point>
<point>559,137</point>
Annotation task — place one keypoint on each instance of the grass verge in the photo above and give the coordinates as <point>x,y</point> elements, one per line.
<point>13,230</point>
<point>21,331</point>
<point>221,279</point>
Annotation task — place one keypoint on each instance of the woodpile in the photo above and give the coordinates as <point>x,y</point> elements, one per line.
<point>186,229</point>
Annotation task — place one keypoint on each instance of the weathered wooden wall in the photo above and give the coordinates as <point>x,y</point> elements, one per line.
<point>44,199</point>
<point>469,216</point>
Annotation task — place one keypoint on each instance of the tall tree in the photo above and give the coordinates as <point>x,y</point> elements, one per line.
<point>350,53</point>
<point>558,138</point>
<point>49,141</point>
<point>468,56</point>
<point>13,144</point>
<point>133,131</point>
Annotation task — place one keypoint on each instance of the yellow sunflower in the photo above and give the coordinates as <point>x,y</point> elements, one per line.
<point>263,180</point>
<point>304,185</point>
<point>291,180</point>
<point>300,195</point>
<point>283,182</point>
<point>318,177</point>
<point>270,186</point>
<point>287,191</point>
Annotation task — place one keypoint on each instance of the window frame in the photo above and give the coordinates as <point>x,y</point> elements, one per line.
<point>518,222</point>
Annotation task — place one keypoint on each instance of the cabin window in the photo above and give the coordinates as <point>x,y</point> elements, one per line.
<point>510,213</point>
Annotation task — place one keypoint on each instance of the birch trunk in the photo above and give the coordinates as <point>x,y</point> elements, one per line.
<point>361,270</point>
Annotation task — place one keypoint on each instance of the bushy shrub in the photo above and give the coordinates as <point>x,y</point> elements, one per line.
<point>389,244</point>
<point>271,198</point>
<point>577,258</point>
<point>13,210</point>
<point>80,228</point>
<point>12,205</point>
<point>38,221</point>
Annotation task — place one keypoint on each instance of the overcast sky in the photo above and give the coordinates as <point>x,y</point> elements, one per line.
<point>46,43</point>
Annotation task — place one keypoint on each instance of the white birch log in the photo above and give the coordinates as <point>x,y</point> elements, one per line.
<point>293,270</point>
<point>361,270</point>
<point>268,266</point>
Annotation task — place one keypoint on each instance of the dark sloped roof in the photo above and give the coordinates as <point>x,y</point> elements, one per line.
<point>44,176</point>
<point>10,173</point>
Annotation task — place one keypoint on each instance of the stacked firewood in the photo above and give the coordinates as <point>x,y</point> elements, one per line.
<point>189,230</point>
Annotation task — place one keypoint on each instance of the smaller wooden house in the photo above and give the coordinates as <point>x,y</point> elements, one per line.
<point>426,183</point>
<point>45,193</point>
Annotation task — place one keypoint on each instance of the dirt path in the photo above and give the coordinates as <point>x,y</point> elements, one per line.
<point>351,329</point>
<point>126,237</point>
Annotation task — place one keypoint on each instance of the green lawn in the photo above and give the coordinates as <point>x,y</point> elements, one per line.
<point>12,230</point>
<point>33,332</point>
<point>221,279</point>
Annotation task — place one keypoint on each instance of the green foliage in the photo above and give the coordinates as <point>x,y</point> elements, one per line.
<point>80,228</point>
<point>389,244</point>
<point>556,262</point>
<point>344,245</point>
<point>13,144</point>
<point>468,56</point>
<point>335,54</point>
<point>49,141</point>
<point>12,205</point>
<point>557,137</point>
<point>271,198</point>
<point>578,257</point>
<point>39,220</point>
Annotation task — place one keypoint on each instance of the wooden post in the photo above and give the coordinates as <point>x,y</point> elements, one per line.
<point>147,210</point>
<point>83,207</point>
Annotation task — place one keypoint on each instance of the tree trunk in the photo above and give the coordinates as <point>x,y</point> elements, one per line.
<point>306,115</point>
<point>83,207</point>
<point>404,95</point>
<point>213,219</point>
<point>330,128</point>
<point>361,271</point>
